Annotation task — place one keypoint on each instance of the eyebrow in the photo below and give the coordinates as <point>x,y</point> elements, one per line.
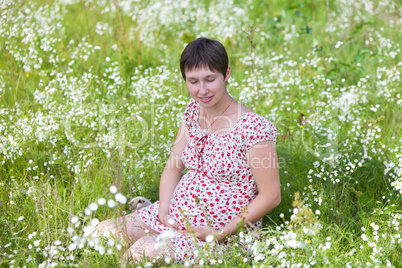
<point>206,77</point>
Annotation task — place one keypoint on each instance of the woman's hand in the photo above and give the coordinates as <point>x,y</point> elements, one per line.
<point>201,232</point>
<point>168,220</point>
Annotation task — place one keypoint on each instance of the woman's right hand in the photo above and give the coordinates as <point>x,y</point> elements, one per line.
<point>168,220</point>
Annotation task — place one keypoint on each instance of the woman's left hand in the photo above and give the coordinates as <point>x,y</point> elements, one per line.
<point>201,232</point>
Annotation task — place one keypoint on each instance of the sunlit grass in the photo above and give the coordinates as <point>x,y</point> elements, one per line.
<point>91,96</point>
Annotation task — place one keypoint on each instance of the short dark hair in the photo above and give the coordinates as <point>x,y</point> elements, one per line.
<point>204,52</point>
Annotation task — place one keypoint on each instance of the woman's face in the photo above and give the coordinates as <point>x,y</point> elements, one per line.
<point>205,86</point>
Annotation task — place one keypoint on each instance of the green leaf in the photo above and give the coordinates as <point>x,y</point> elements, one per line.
<point>299,13</point>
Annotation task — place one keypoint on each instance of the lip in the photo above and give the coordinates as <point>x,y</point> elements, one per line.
<point>206,99</point>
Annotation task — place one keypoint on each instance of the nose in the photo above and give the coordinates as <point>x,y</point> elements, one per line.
<point>203,88</point>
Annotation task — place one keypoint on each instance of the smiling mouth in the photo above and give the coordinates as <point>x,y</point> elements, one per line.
<point>207,99</point>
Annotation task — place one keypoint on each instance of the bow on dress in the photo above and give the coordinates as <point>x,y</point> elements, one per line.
<point>199,148</point>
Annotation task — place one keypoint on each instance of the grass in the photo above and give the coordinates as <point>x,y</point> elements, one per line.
<point>91,96</point>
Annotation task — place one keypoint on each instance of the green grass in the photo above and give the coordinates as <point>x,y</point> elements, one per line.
<point>81,119</point>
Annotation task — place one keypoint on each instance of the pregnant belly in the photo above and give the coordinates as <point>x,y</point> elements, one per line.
<point>183,204</point>
<point>197,201</point>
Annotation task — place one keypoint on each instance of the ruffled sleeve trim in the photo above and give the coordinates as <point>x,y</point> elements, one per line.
<point>257,129</point>
<point>189,113</point>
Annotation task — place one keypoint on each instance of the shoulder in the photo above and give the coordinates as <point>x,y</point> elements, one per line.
<point>255,128</point>
<point>191,104</point>
<point>255,122</point>
<point>190,112</point>
<point>258,122</point>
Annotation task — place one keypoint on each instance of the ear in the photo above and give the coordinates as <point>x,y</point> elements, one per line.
<point>228,71</point>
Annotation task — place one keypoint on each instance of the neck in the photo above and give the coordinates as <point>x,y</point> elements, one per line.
<point>217,110</point>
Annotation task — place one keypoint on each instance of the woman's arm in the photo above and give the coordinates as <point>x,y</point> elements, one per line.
<point>171,175</point>
<point>263,161</point>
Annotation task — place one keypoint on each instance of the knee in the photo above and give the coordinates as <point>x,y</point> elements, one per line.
<point>101,225</point>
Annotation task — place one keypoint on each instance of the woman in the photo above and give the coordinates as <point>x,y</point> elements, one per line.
<point>230,154</point>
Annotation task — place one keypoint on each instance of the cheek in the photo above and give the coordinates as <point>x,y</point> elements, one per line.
<point>218,86</point>
<point>191,88</point>
<point>188,85</point>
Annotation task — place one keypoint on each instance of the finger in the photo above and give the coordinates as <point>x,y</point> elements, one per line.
<point>191,227</point>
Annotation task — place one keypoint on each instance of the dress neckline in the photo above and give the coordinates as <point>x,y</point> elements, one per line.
<point>211,133</point>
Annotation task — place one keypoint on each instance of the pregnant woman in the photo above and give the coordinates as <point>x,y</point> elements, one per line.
<point>232,177</point>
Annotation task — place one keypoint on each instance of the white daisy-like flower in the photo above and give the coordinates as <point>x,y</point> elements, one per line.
<point>74,219</point>
<point>72,247</point>
<point>120,198</point>
<point>110,242</point>
<point>113,189</point>
<point>101,250</point>
<point>101,201</point>
<point>88,230</point>
<point>93,206</point>
<point>94,222</point>
<point>111,203</point>
<point>209,238</point>
<point>87,211</point>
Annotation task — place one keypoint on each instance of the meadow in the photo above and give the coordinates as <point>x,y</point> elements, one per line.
<point>91,97</point>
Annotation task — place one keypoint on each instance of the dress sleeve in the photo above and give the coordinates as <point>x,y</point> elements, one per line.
<point>258,129</point>
<point>189,113</point>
